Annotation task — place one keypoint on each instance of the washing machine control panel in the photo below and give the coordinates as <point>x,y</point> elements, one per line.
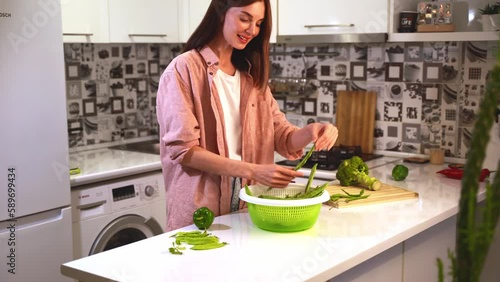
<point>123,193</point>
<point>98,200</point>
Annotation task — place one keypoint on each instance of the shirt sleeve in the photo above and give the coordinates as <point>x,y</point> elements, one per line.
<point>179,128</point>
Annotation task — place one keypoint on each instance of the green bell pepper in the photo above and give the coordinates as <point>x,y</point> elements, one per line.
<point>203,218</point>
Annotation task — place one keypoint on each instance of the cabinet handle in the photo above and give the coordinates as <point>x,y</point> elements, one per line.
<point>78,34</point>
<point>146,34</point>
<point>328,25</point>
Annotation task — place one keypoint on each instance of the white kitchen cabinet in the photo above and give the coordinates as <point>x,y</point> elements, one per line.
<point>322,17</point>
<point>85,21</point>
<point>143,21</point>
<point>191,13</point>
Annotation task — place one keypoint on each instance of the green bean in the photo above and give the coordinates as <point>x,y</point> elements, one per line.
<point>306,157</point>
<point>190,234</point>
<point>197,241</point>
<point>247,190</point>
<point>208,246</point>
<point>311,177</point>
<point>302,162</point>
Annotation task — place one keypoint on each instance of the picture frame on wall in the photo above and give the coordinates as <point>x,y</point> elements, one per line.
<point>309,107</point>
<point>394,72</point>
<point>89,107</point>
<point>72,71</point>
<point>117,105</point>
<point>281,103</point>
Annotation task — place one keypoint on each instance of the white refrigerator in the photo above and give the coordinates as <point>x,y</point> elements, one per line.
<point>35,217</point>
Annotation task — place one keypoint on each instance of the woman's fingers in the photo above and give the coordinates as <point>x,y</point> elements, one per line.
<point>327,136</point>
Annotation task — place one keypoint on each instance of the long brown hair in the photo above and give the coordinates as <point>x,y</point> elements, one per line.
<point>257,50</point>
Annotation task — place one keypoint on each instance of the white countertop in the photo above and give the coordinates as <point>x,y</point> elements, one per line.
<point>103,164</point>
<point>340,240</point>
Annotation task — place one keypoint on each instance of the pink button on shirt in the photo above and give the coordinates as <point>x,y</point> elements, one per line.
<point>190,114</point>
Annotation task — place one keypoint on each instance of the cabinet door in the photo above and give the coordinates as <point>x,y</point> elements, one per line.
<point>274,12</point>
<point>143,21</point>
<point>85,21</point>
<point>332,17</point>
<point>191,13</point>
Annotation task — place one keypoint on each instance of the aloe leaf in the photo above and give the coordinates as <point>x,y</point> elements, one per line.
<point>472,242</point>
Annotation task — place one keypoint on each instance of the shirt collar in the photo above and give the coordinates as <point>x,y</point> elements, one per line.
<point>212,59</point>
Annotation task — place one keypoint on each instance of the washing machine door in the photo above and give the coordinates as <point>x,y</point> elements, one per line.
<point>125,230</point>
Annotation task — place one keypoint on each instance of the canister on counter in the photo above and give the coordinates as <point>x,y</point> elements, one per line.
<point>408,21</point>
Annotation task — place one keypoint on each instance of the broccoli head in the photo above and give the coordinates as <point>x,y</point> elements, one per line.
<point>354,171</point>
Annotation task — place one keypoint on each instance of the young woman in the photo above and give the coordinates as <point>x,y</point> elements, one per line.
<point>219,123</point>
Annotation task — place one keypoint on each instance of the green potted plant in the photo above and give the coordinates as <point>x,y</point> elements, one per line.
<point>475,236</point>
<point>490,17</point>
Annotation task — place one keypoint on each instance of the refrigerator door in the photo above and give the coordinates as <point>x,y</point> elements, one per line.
<point>33,248</point>
<point>34,172</point>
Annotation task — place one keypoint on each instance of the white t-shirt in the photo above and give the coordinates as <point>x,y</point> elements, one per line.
<point>228,88</point>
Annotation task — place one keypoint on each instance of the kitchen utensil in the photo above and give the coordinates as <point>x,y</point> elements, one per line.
<point>282,215</point>
<point>355,119</point>
<point>437,156</point>
<point>387,193</point>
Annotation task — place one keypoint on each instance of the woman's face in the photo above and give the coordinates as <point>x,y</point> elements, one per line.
<point>242,24</point>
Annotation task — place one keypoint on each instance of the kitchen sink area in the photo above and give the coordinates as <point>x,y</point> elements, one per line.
<point>148,147</point>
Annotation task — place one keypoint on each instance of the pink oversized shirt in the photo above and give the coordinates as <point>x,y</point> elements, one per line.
<point>190,114</point>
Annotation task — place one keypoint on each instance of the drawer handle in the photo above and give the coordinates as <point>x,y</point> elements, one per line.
<point>91,205</point>
<point>146,34</point>
<point>328,25</point>
<point>78,34</point>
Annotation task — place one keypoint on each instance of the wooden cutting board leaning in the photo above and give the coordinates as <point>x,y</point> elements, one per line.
<point>387,193</point>
<point>355,119</point>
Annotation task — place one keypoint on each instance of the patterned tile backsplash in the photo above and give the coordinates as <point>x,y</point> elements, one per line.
<point>111,90</point>
<point>428,92</point>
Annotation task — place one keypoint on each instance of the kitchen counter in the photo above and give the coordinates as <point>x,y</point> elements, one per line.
<point>103,164</point>
<point>342,240</point>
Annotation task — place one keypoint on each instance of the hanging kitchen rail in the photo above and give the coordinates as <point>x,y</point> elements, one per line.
<point>333,38</point>
<point>303,53</point>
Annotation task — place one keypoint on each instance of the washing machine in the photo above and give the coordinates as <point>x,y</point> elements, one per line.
<point>111,214</point>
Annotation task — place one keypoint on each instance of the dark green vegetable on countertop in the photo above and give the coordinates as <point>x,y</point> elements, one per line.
<point>347,197</point>
<point>354,171</point>
<point>176,249</point>
<point>197,239</point>
<point>208,246</point>
<point>203,218</point>
<point>400,172</point>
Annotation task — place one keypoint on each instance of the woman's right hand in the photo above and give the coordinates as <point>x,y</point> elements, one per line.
<point>274,175</point>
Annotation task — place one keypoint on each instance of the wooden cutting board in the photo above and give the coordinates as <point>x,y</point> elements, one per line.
<point>355,119</point>
<point>387,193</point>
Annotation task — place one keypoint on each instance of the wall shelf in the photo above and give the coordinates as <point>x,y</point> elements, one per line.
<point>444,36</point>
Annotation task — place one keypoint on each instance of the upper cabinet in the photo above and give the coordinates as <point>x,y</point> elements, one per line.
<point>191,13</point>
<point>143,21</point>
<point>85,21</point>
<point>327,17</point>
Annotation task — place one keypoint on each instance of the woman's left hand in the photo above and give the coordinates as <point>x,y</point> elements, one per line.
<point>323,135</point>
